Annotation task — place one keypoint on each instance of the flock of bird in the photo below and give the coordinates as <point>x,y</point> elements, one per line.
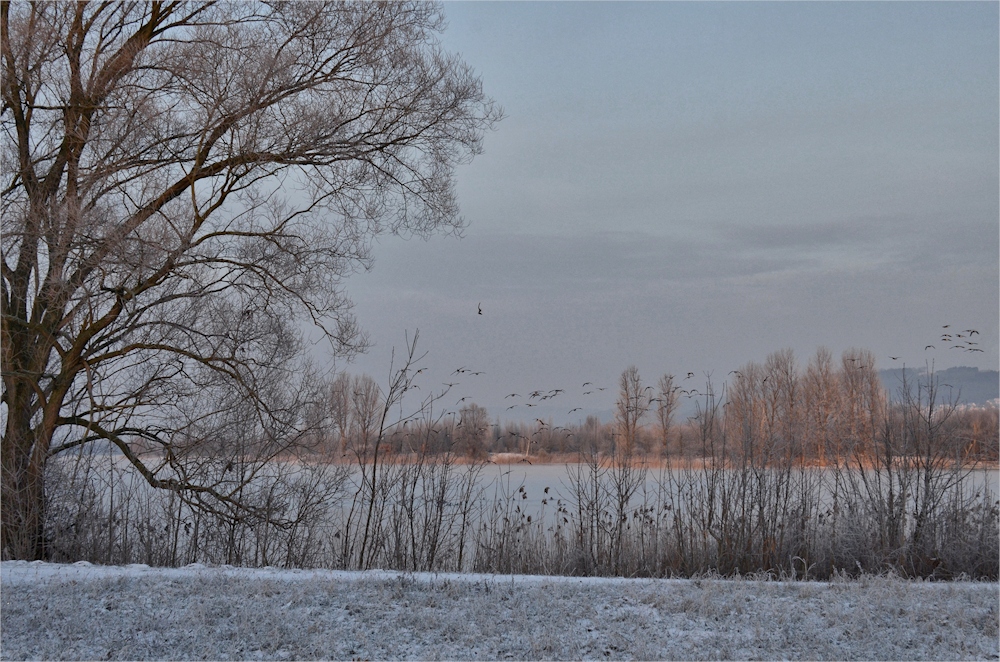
<point>537,396</point>
<point>957,340</point>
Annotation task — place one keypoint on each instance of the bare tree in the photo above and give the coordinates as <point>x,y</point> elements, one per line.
<point>864,404</point>
<point>184,185</point>
<point>784,394</point>
<point>632,405</point>
<point>666,408</point>
<point>473,424</point>
<point>366,415</point>
<point>340,410</point>
<point>822,402</point>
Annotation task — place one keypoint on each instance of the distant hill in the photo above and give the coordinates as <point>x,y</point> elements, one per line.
<point>971,386</point>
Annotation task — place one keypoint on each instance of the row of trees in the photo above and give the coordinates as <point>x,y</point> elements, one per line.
<point>820,414</point>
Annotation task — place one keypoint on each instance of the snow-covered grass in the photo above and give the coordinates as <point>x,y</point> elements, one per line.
<point>82,611</point>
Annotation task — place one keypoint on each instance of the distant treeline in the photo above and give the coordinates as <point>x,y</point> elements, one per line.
<point>775,410</point>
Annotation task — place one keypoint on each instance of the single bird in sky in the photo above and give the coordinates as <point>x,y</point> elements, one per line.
<point>929,347</point>
<point>480,308</point>
<point>894,358</point>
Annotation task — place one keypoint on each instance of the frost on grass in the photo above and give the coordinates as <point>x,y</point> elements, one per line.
<point>135,612</point>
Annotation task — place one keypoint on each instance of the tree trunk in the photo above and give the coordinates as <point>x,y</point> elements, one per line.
<point>23,496</point>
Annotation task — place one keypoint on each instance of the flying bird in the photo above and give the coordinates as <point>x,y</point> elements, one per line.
<point>690,375</point>
<point>585,384</point>
<point>512,395</point>
<point>929,347</point>
<point>894,358</point>
<point>576,409</point>
<point>480,308</point>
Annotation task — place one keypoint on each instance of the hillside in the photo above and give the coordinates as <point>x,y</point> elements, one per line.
<point>968,385</point>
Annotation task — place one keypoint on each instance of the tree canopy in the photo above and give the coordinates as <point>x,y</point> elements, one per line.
<point>185,184</point>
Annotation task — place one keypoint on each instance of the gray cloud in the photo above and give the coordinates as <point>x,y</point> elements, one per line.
<point>691,186</point>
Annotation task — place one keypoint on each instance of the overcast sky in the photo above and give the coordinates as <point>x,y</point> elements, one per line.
<point>689,187</point>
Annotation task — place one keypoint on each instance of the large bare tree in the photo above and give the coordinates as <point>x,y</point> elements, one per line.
<point>183,185</point>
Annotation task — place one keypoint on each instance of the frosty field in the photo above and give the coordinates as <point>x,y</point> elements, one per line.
<point>82,611</point>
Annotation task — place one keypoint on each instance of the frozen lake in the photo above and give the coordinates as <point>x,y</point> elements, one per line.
<point>499,480</point>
